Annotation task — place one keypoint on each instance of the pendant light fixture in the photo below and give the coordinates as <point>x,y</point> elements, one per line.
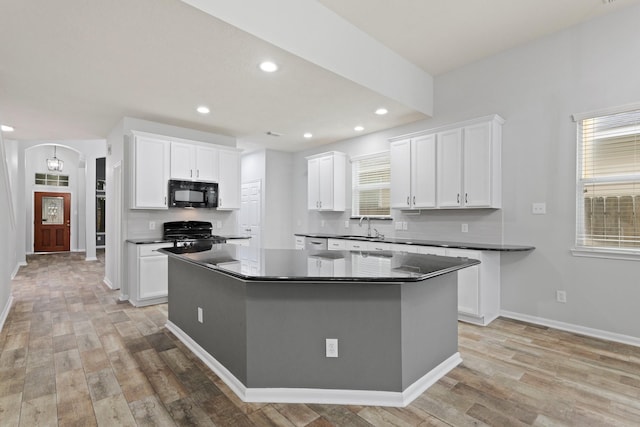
<point>55,164</point>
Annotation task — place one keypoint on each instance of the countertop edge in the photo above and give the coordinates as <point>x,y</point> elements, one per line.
<point>370,280</point>
<point>418,242</point>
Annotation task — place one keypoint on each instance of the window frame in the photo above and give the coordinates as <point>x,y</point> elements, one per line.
<point>580,249</point>
<point>355,188</point>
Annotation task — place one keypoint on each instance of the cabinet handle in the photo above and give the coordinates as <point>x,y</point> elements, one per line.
<point>165,200</point>
<point>408,204</point>
<point>220,201</point>
<point>466,198</point>
<point>320,204</point>
<point>191,173</point>
<point>197,173</point>
<point>458,199</point>
<point>414,200</point>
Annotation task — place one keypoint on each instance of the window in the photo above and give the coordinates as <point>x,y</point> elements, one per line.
<point>371,185</point>
<point>608,181</point>
<point>52,179</point>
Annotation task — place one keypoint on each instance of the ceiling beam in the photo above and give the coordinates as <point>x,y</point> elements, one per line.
<point>316,34</point>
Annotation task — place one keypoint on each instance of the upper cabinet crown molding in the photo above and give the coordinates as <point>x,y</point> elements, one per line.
<point>489,118</point>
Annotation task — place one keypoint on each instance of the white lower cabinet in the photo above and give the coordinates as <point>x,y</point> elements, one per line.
<point>299,242</point>
<point>356,245</point>
<point>478,286</point>
<point>336,244</point>
<point>148,274</point>
<point>325,267</point>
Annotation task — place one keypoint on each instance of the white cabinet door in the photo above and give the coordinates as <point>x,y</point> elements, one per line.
<point>400,153</point>
<point>207,164</point>
<point>326,183</point>
<point>468,282</point>
<point>356,245</point>
<point>151,173</point>
<point>182,161</point>
<point>153,276</point>
<point>229,180</point>
<point>477,165</point>
<point>380,246</point>
<point>313,184</point>
<point>423,172</point>
<point>336,244</point>
<point>449,168</point>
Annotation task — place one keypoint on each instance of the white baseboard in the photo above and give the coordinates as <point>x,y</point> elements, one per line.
<point>321,396</point>
<point>17,268</point>
<point>109,284</point>
<point>569,327</point>
<point>91,258</point>
<point>5,311</point>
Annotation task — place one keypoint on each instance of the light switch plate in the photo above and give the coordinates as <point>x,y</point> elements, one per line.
<point>398,225</point>
<point>152,225</point>
<point>465,228</point>
<point>346,223</point>
<point>405,226</point>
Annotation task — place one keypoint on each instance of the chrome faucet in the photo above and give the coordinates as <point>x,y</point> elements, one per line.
<point>368,224</point>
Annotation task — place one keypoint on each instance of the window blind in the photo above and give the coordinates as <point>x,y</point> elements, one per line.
<point>371,185</point>
<point>608,185</point>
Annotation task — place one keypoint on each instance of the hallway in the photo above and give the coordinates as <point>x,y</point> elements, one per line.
<point>72,355</point>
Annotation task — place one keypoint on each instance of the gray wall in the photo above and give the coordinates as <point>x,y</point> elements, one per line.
<point>8,260</point>
<point>274,170</point>
<point>536,88</point>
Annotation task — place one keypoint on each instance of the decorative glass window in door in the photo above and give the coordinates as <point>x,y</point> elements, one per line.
<point>52,210</point>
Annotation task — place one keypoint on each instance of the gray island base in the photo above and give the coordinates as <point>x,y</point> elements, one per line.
<point>260,319</point>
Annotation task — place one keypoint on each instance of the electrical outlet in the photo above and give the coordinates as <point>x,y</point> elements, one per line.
<point>405,225</point>
<point>322,223</point>
<point>219,224</point>
<point>200,315</point>
<point>152,225</point>
<point>465,228</point>
<point>561,296</point>
<point>398,225</point>
<point>346,223</point>
<point>539,208</point>
<point>331,349</point>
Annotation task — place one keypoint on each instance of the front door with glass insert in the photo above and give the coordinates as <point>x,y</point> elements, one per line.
<point>52,228</point>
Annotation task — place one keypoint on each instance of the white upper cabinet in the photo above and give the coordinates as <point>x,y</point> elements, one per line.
<point>450,168</point>
<point>413,173</point>
<point>191,162</point>
<point>150,171</point>
<point>479,167</point>
<point>229,180</point>
<point>326,181</point>
<point>456,166</point>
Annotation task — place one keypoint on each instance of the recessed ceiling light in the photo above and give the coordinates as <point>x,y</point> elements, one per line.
<point>268,66</point>
<point>6,128</point>
<point>381,111</point>
<point>203,109</point>
<point>358,128</point>
<point>308,135</point>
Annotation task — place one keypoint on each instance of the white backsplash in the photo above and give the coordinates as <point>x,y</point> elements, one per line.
<point>484,225</point>
<point>138,221</point>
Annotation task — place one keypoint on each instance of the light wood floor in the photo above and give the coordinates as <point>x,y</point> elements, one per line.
<point>70,354</point>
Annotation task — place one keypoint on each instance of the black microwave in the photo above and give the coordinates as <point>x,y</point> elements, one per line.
<point>193,194</point>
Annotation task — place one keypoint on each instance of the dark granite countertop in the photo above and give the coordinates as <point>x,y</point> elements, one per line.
<point>152,240</point>
<point>418,242</point>
<point>304,266</point>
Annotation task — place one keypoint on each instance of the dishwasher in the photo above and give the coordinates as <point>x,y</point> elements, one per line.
<point>316,243</point>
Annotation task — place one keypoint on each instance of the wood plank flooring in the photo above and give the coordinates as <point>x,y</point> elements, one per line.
<point>72,355</point>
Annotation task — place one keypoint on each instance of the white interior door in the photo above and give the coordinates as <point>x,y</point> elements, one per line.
<point>251,212</point>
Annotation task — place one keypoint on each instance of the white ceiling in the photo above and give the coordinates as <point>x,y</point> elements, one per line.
<point>70,69</point>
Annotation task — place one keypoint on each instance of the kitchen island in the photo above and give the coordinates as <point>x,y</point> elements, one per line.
<point>264,321</point>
